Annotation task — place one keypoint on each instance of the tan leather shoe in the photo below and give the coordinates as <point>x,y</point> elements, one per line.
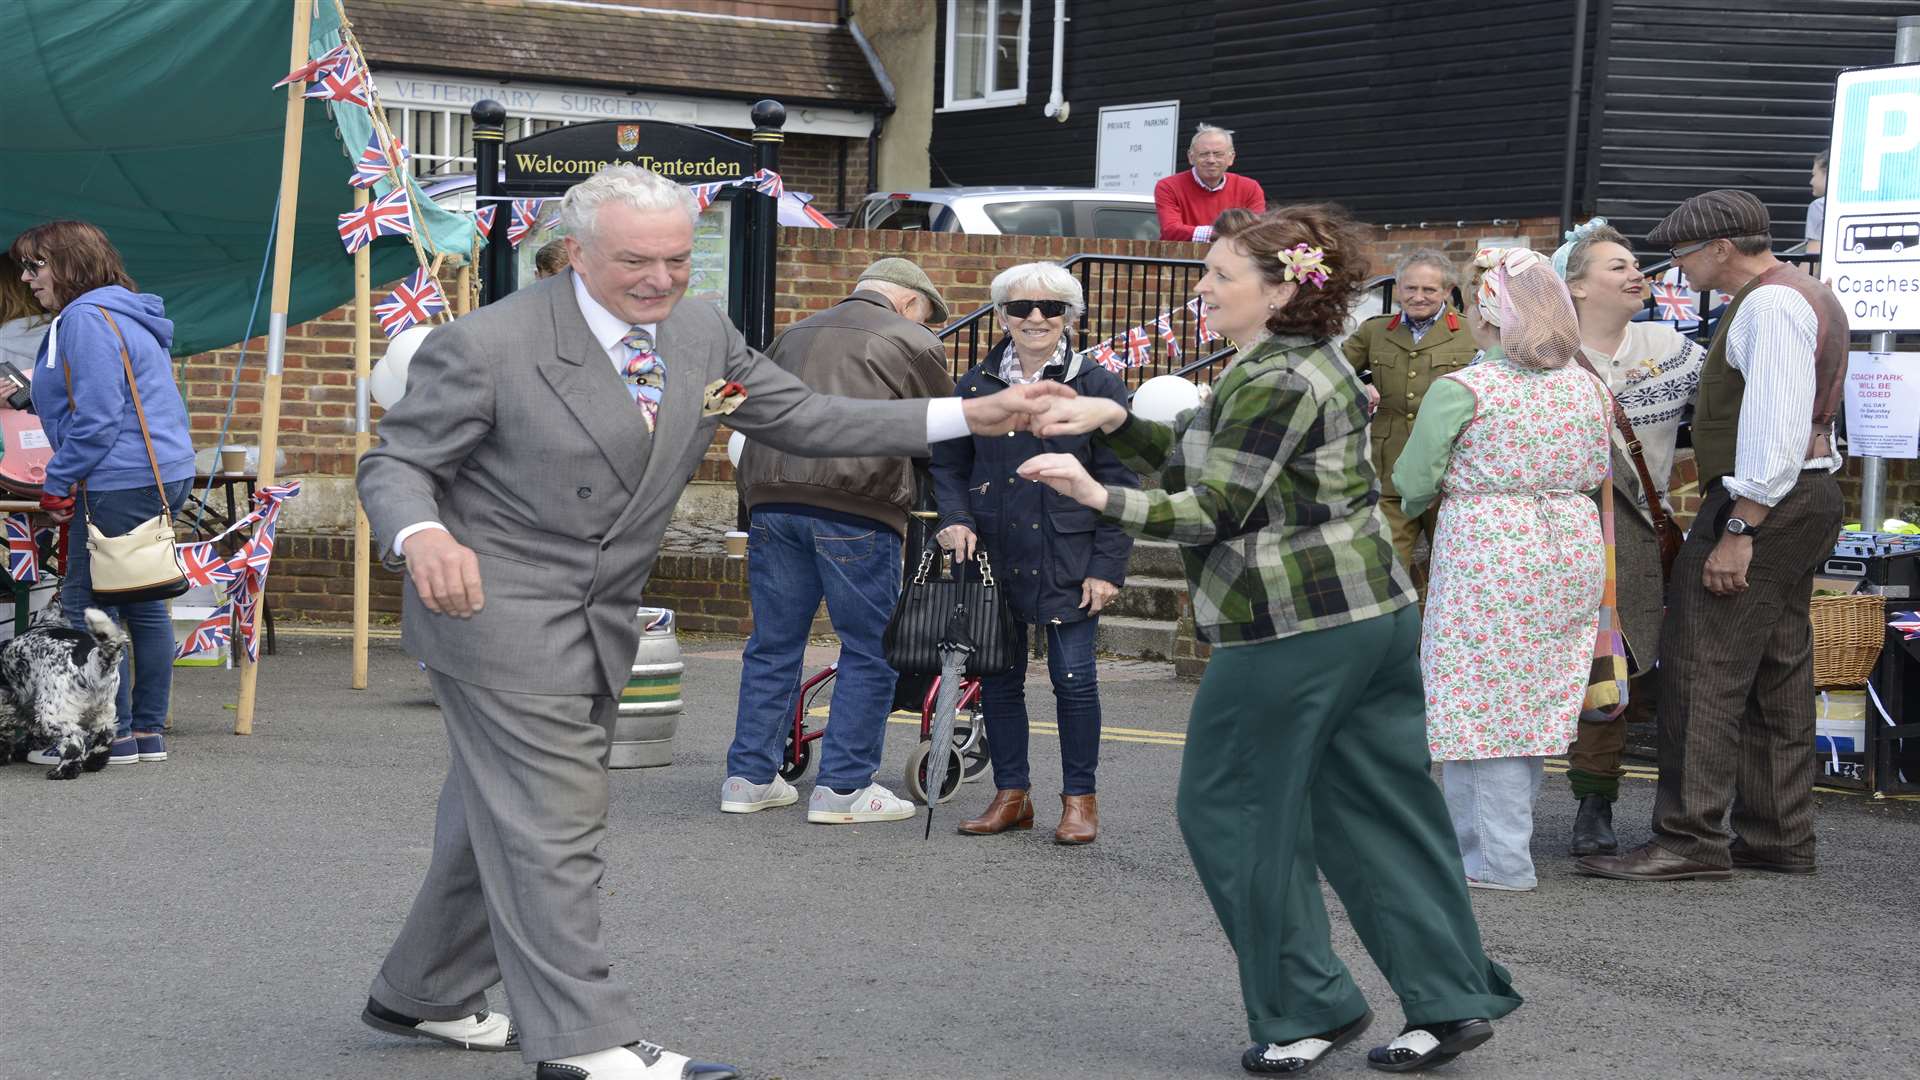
<point>1079,819</point>
<point>1010,809</point>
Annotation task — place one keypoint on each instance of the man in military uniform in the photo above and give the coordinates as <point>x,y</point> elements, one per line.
<point>1398,357</point>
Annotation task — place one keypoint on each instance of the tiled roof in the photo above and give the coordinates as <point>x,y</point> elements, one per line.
<point>740,59</point>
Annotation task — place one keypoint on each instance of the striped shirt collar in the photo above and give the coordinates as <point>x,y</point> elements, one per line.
<point>1203,183</point>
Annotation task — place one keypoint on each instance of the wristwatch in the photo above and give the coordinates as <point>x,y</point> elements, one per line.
<point>1739,527</point>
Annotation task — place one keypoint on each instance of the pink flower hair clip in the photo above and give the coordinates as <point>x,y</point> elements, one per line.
<point>1305,264</point>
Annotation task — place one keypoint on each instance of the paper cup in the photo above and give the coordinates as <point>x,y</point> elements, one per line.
<point>736,545</point>
<point>233,459</point>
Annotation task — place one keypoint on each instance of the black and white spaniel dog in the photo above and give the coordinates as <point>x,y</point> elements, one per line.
<point>57,690</point>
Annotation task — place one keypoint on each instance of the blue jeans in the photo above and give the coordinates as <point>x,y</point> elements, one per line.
<point>1491,802</point>
<point>792,562</point>
<point>146,676</point>
<point>1076,697</point>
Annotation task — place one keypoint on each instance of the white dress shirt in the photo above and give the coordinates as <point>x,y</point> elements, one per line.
<point>946,417</point>
<point>1771,341</point>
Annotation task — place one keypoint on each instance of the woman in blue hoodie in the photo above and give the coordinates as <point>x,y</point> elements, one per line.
<point>99,457</point>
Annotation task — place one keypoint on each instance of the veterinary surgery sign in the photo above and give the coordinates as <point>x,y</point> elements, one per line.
<point>1871,244</point>
<point>555,160</point>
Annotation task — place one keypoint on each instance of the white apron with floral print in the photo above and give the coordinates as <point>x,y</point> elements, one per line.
<point>1518,567</point>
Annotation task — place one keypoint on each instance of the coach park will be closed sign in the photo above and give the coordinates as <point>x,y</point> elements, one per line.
<point>1871,243</point>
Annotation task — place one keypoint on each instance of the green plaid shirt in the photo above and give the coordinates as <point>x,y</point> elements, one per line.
<point>1268,490</point>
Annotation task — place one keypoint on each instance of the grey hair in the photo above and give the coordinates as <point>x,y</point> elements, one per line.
<point>1209,129</point>
<point>1044,277</point>
<point>641,189</point>
<point>1428,257</point>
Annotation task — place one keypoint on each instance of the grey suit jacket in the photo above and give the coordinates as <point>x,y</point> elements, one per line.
<point>517,434</point>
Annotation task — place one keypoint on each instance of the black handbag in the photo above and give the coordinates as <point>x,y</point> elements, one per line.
<point>936,612</point>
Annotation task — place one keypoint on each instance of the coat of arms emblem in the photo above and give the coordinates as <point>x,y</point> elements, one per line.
<point>628,137</point>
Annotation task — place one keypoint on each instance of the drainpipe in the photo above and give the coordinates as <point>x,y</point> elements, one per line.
<point>1057,105</point>
<point>1573,113</point>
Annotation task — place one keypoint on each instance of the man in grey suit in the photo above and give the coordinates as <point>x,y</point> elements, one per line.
<point>524,482</point>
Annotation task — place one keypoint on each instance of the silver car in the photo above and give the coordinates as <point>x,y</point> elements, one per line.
<point>1014,211</point>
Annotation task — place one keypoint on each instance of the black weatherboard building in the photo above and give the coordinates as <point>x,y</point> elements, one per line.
<point>1422,111</point>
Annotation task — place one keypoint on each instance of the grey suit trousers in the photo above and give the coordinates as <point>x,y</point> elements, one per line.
<point>512,888</point>
<point>1736,688</point>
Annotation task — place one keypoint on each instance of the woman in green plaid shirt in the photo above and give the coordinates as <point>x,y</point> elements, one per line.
<point>1308,734</point>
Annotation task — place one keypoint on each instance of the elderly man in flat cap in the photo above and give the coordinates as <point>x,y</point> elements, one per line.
<point>832,528</point>
<point>1736,650</point>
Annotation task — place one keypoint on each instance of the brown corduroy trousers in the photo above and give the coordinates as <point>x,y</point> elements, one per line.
<point>1736,692</point>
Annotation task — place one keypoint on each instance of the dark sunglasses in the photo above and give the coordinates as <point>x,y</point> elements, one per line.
<point>1020,309</point>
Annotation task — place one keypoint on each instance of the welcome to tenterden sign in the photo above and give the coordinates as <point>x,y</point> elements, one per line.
<point>555,160</point>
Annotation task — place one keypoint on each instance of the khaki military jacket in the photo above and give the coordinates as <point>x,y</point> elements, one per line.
<point>1401,372</point>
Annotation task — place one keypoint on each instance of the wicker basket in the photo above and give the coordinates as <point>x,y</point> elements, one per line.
<point>1848,632</point>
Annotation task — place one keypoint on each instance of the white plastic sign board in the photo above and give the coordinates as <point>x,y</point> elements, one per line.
<point>1883,404</point>
<point>1139,144</point>
<point>1870,246</point>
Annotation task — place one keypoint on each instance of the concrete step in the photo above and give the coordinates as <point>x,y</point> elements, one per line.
<point>1155,558</point>
<point>1146,639</point>
<point>1146,597</point>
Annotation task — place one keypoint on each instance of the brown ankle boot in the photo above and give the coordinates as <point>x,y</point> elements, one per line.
<point>1079,819</point>
<point>1010,809</point>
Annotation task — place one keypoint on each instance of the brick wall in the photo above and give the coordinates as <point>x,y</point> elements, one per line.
<point>812,163</point>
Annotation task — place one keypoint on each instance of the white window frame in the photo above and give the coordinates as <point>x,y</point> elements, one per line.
<point>993,99</point>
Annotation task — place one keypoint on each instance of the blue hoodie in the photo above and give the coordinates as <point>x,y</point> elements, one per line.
<point>97,438</point>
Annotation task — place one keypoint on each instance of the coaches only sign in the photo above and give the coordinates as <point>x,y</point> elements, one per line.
<point>1871,244</point>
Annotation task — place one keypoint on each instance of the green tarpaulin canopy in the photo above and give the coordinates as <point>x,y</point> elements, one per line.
<point>154,120</point>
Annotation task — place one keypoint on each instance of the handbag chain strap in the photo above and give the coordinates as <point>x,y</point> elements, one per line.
<point>138,411</point>
<point>926,564</point>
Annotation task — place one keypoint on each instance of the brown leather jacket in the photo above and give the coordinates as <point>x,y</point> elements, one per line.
<point>858,348</point>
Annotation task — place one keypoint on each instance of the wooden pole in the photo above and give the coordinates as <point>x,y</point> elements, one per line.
<point>290,147</point>
<point>362,442</point>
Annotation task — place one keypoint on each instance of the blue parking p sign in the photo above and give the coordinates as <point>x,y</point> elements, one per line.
<point>1871,241</point>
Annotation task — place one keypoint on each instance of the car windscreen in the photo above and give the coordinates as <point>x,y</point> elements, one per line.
<point>1126,222</point>
<point>1031,218</point>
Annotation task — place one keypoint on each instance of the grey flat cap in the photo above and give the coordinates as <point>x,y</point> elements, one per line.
<point>906,274</point>
<point>1712,216</point>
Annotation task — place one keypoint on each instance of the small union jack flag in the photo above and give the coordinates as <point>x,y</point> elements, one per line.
<point>413,302</point>
<point>526,218</point>
<point>214,631</point>
<point>768,183</point>
<point>1165,325</point>
<point>1201,330</point>
<point>346,84</point>
<point>704,194</point>
<point>255,554</point>
<point>23,559</point>
<point>246,608</point>
<point>203,565</point>
<point>1139,346</point>
<point>388,215</point>
<point>483,220</point>
<point>274,493</point>
<point>375,164</point>
<point>1104,355</point>
<point>1674,303</point>
<point>337,58</point>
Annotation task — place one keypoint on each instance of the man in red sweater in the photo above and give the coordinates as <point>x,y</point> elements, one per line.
<point>1188,202</point>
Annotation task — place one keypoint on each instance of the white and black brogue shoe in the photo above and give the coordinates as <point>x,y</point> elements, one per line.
<point>1298,1056</point>
<point>1424,1046</point>
<point>483,1030</point>
<point>634,1061</point>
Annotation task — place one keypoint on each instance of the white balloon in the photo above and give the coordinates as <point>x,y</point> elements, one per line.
<point>388,382</point>
<point>736,443</point>
<point>1164,397</point>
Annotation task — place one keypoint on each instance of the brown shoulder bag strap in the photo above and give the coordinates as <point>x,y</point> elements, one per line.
<point>134,386</point>
<point>1662,524</point>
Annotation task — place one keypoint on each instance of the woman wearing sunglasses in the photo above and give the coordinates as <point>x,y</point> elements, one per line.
<point>1058,563</point>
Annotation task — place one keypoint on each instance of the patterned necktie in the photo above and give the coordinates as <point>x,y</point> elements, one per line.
<point>646,374</point>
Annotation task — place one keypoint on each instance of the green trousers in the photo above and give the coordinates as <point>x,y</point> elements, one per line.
<point>1311,751</point>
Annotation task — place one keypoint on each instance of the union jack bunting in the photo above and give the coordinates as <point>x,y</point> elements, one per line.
<point>704,194</point>
<point>275,493</point>
<point>1907,622</point>
<point>375,164</point>
<point>337,58</point>
<point>1172,340</point>
<point>1139,346</point>
<point>47,538</point>
<point>214,631</point>
<point>23,559</point>
<point>413,302</point>
<point>1104,355</point>
<point>246,610</point>
<point>346,84</point>
<point>526,218</point>
<point>483,221</point>
<point>388,215</point>
<point>203,565</point>
<point>768,182</point>
<point>1200,328</point>
<point>253,557</point>
<point>1674,303</point>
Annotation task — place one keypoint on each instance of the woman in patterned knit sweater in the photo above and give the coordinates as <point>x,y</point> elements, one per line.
<point>1654,373</point>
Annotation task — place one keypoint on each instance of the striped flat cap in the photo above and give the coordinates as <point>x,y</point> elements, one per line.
<point>1711,216</point>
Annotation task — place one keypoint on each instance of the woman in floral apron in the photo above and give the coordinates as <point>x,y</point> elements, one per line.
<point>1517,442</point>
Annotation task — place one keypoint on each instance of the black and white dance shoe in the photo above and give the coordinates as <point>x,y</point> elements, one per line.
<point>1423,1046</point>
<point>482,1031</point>
<point>634,1061</point>
<point>1296,1057</point>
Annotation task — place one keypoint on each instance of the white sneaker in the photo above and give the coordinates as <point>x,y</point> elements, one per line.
<point>634,1061</point>
<point>870,803</point>
<point>738,796</point>
<point>49,756</point>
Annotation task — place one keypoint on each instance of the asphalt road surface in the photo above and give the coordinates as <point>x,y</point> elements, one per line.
<point>221,914</point>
